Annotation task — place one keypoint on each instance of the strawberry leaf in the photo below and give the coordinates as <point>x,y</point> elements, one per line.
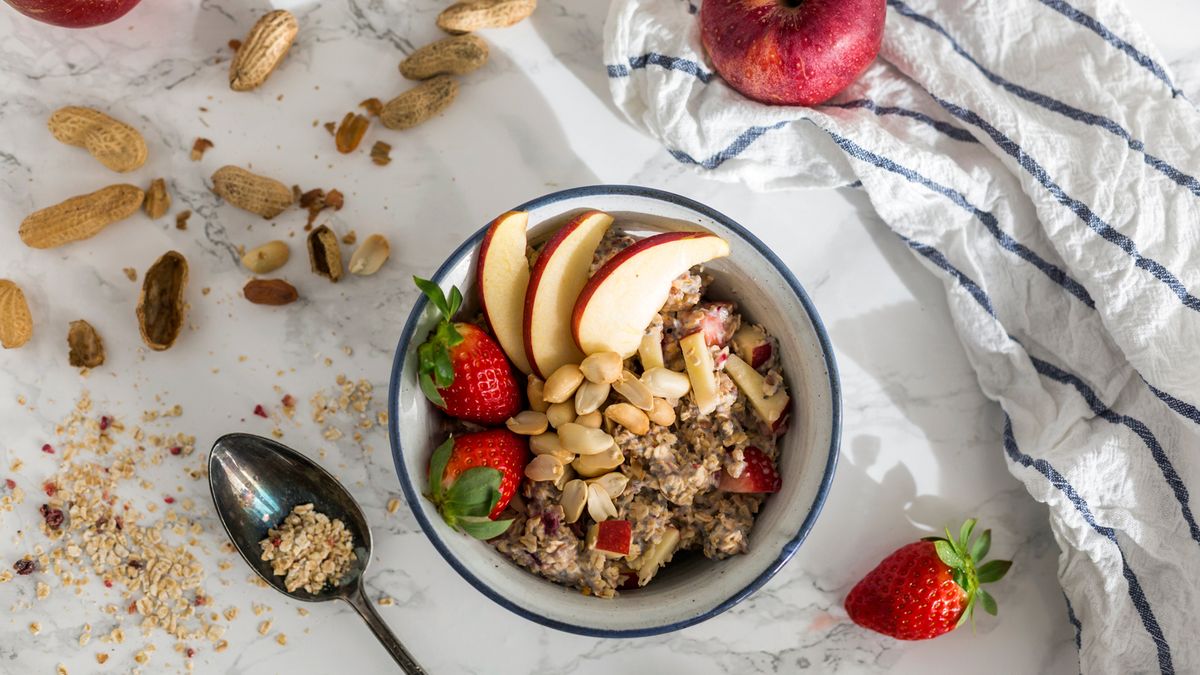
<point>960,578</point>
<point>964,534</point>
<point>982,545</point>
<point>437,468</point>
<point>443,369</point>
<point>435,295</point>
<point>430,390</point>
<point>988,602</point>
<point>475,492</point>
<point>456,300</point>
<point>968,611</point>
<point>946,552</point>
<point>993,571</point>
<point>482,527</point>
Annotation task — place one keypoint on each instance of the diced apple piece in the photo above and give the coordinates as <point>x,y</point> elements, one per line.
<point>558,276</point>
<point>752,344</point>
<point>701,371</point>
<point>502,275</point>
<point>625,294</point>
<point>658,555</point>
<point>768,408</point>
<point>650,351</point>
<point>611,537</point>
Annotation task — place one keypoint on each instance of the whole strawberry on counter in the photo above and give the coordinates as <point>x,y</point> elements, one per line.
<point>472,477</point>
<point>927,588</point>
<point>461,368</point>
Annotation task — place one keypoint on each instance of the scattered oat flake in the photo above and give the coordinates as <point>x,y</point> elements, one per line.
<point>130,273</point>
<point>42,590</point>
<point>301,611</point>
<point>331,127</point>
<point>393,505</point>
<point>101,658</point>
<point>181,219</point>
<point>264,627</point>
<point>35,628</point>
<point>386,601</point>
<point>349,238</point>
<point>281,639</point>
<point>199,147</point>
<point>60,669</point>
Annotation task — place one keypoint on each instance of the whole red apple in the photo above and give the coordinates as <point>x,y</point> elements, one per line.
<point>791,52</point>
<point>74,13</point>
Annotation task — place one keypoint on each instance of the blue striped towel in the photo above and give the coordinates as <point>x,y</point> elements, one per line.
<point>1036,156</point>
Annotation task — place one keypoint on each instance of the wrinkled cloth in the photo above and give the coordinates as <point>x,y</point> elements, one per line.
<point>1035,155</point>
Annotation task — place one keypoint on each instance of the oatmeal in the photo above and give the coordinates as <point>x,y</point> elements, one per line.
<point>309,550</point>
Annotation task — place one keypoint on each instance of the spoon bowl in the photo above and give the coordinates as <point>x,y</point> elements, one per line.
<point>256,482</point>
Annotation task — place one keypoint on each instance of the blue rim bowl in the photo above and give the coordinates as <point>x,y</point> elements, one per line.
<point>695,589</point>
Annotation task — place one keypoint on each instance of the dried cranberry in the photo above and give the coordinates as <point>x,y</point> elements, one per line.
<point>175,450</point>
<point>201,600</point>
<point>108,583</point>
<point>551,521</point>
<point>24,566</point>
<point>189,652</point>
<point>132,607</point>
<point>288,401</point>
<point>10,483</point>
<point>169,499</point>
<point>49,488</point>
<point>101,522</point>
<point>275,542</point>
<point>260,411</point>
<point>104,422</point>
<point>48,449</point>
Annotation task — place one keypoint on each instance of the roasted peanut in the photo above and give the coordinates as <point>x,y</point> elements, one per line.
<point>562,383</point>
<point>602,367</point>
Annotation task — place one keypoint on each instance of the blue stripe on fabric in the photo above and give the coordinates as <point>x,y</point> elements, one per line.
<point>1181,407</point>
<point>668,62</point>
<point>1055,273</point>
<point>734,149</point>
<point>1092,24</point>
<point>957,133</point>
<point>1084,213</point>
<point>1070,610</point>
<point>938,259</point>
<point>1136,595</point>
<point>1136,426</point>
<point>1055,105</point>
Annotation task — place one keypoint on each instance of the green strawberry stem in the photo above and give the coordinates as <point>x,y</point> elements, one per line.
<point>435,369</point>
<point>465,505</point>
<point>963,557</point>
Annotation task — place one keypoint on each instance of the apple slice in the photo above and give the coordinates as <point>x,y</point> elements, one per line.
<point>560,273</point>
<point>751,343</point>
<point>503,278</point>
<point>769,408</point>
<point>701,371</point>
<point>623,296</point>
<point>650,350</point>
<point>648,564</point>
<point>611,537</point>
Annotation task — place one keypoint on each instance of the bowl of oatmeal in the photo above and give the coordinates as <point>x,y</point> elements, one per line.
<point>705,488</point>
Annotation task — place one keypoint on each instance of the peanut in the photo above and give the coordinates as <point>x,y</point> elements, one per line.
<point>270,292</point>
<point>544,468</point>
<point>86,347</point>
<point>251,192</point>
<point>663,413</point>
<point>602,367</point>
<point>527,423</point>
<point>115,144</point>
<point>590,396</point>
<point>548,444</point>
<point>574,498</point>
<point>561,413</point>
<point>592,420</point>
<point>632,389</point>
<point>262,50</point>
<point>562,383</point>
<point>457,55</point>
<point>666,383</point>
<point>533,391</point>
<point>370,256</point>
<point>630,417</point>
<point>267,258</point>
<point>161,309</point>
<point>16,324</point>
<point>419,103</point>
<point>465,17</point>
<point>158,202</point>
<point>583,440</point>
<point>613,483</point>
<point>600,505</point>
<point>325,254</point>
<point>590,466</point>
<point>80,217</point>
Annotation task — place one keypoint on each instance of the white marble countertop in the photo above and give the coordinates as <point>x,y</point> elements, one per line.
<point>921,444</point>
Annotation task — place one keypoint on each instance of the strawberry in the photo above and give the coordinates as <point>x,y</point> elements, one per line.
<point>472,478</point>
<point>759,476</point>
<point>927,588</point>
<point>462,369</point>
<point>717,320</point>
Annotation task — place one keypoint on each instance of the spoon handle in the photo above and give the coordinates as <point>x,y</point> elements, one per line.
<point>358,600</point>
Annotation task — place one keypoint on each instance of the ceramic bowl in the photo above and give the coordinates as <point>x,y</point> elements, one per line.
<point>691,589</point>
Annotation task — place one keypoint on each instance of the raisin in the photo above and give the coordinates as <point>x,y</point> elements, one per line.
<point>24,567</point>
<point>104,422</point>
<point>260,411</point>
<point>175,450</point>
<point>48,449</point>
<point>53,517</point>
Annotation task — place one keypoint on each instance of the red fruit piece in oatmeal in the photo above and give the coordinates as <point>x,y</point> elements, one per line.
<point>759,475</point>
<point>717,320</point>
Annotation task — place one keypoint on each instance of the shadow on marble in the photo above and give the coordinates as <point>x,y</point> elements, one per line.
<point>574,33</point>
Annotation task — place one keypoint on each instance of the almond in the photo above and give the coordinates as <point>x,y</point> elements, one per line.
<point>161,308</point>
<point>262,50</point>
<point>115,144</point>
<point>80,217</point>
<point>16,324</point>
<point>270,292</point>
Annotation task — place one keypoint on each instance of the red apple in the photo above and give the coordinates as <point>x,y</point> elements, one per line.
<point>74,13</point>
<point>751,343</point>
<point>611,537</point>
<point>502,275</point>
<point>791,52</point>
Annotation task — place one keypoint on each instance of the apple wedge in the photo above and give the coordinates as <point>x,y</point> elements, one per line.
<point>611,537</point>
<point>701,371</point>
<point>503,278</point>
<point>751,343</point>
<point>560,273</point>
<point>769,408</point>
<point>623,296</point>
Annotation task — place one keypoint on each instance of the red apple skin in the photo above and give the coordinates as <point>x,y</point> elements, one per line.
<point>74,13</point>
<point>614,536</point>
<point>791,52</point>
<point>483,248</point>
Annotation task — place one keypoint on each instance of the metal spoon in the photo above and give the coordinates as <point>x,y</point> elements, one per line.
<point>256,482</point>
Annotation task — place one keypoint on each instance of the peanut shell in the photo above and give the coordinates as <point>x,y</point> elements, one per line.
<point>87,349</point>
<point>16,324</point>
<point>158,202</point>
<point>325,254</point>
<point>419,103</point>
<point>456,55</point>
<point>249,191</point>
<point>161,309</point>
<point>262,50</point>
<point>115,144</point>
<point>465,17</point>
<point>80,217</point>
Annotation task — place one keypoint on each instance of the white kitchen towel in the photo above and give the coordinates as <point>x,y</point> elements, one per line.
<point>1037,157</point>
